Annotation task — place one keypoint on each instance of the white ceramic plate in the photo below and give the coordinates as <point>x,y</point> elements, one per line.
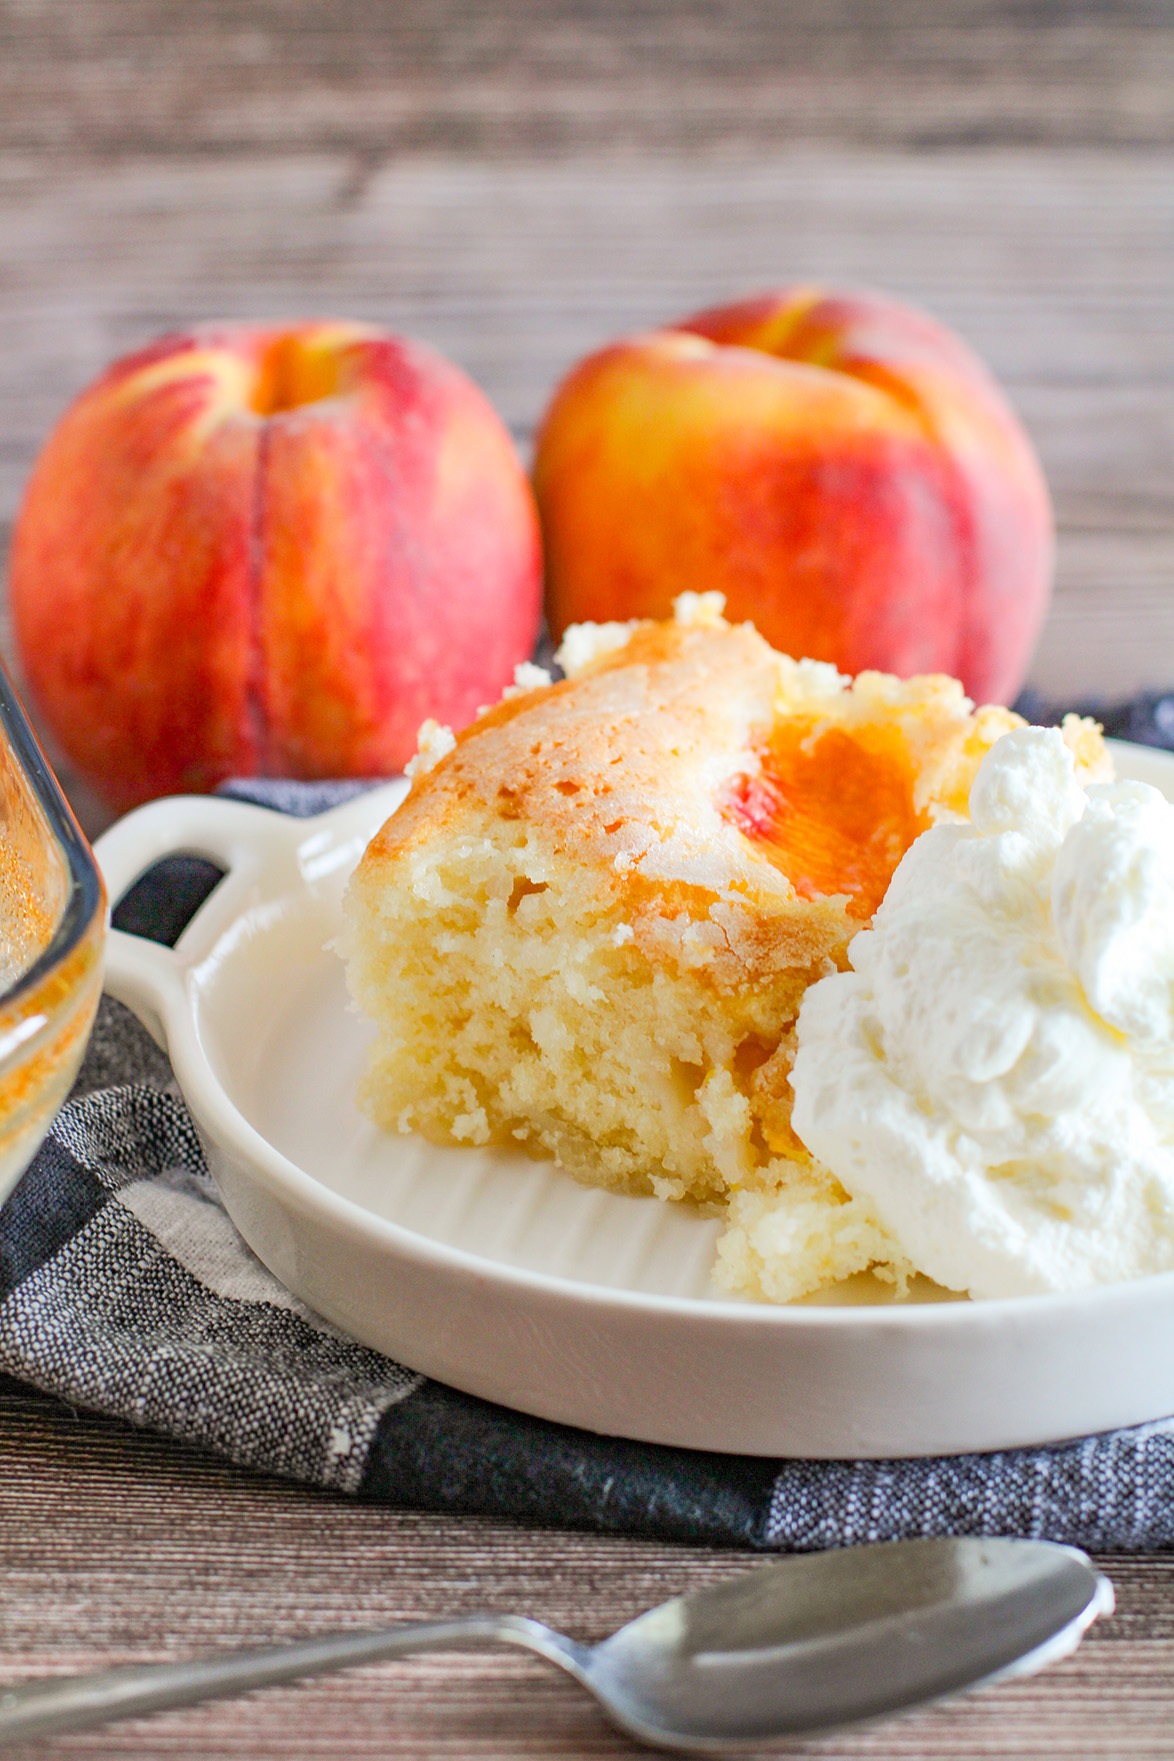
<point>504,1277</point>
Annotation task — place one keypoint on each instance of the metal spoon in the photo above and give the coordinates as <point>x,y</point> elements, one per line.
<point>814,1641</point>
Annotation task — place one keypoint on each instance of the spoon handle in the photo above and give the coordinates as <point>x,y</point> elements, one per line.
<point>49,1706</point>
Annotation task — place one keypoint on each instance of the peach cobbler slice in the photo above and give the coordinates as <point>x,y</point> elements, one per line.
<point>589,928</point>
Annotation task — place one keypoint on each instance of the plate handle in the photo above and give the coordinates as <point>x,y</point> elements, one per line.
<point>144,975</point>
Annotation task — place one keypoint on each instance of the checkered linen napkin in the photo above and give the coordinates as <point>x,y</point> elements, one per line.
<point>125,1288</point>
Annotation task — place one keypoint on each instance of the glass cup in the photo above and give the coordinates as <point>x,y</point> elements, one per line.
<point>52,934</point>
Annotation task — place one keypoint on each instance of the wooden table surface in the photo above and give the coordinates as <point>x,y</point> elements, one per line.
<point>516,184</point>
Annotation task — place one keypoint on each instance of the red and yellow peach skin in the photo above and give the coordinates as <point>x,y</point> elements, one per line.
<point>271,550</point>
<point>840,466</point>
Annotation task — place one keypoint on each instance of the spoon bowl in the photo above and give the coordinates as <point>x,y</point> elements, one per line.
<point>806,1644</point>
<point>820,1640</point>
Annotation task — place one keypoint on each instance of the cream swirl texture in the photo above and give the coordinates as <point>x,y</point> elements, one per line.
<point>995,1075</point>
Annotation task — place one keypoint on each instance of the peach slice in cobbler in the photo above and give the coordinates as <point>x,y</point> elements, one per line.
<point>833,810</point>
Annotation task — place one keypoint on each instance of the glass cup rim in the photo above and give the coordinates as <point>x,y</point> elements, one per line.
<point>86,892</point>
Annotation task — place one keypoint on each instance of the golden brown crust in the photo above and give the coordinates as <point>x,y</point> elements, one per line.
<point>607,763</point>
<point>625,767</point>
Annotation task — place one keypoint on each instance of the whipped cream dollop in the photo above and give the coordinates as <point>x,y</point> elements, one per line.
<point>995,1075</point>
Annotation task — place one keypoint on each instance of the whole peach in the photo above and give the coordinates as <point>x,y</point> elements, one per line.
<point>271,550</point>
<point>840,466</point>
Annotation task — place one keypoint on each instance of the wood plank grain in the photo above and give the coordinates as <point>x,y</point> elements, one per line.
<point>541,76</point>
<point>117,1546</point>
